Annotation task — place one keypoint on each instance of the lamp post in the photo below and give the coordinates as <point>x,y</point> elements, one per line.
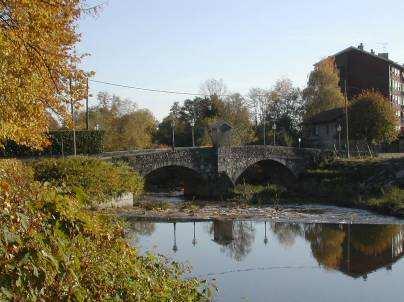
<point>192,129</point>
<point>300,142</point>
<point>175,247</point>
<point>274,129</point>
<point>265,234</point>
<point>346,121</point>
<point>339,129</point>
<point>194,239</point>
<point>173,133</point>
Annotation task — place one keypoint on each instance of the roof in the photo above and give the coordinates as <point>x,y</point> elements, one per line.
<point>222,125</point>
<point>326,116</point>
<point>351,48</point>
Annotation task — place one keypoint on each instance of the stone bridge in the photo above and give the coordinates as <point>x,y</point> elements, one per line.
<point>218,168</point>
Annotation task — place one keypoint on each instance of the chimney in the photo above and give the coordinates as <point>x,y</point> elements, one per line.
<point>361,47</point>
<point>384,55</point>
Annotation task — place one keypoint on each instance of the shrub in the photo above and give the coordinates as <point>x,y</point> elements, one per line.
<point>93,179</point>
<point>52,249</point>
<point>61,142</point>
<point>270,193</point>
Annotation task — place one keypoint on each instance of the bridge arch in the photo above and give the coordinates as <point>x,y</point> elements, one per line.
<point>168,178</point>
<point>270,170</point>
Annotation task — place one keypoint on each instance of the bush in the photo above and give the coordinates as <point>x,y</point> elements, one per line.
<point>52,249</point>
<point>270,193</point>
<point>95,180</point>
<point>61,143</point>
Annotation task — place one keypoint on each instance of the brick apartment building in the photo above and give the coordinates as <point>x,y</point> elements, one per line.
<point>359,70</point>
<point>362,70</point>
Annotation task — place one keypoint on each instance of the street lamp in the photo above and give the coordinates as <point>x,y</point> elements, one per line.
<point>300,142</point>
<point>192,129</point>
<point>194,239</point>
<point>274,129</point>
<point>173,133</point>
<point>339,129</point>
<point>265,236</point>
<point>175,247</point>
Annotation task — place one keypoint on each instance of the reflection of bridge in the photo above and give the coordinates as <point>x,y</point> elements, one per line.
<point>219,168</point>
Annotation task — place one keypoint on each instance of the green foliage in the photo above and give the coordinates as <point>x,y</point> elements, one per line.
<point>203,112</point>
<point>92,179</point>
<point>270,193</point>
<point>392,198</point>
<point>126,127</point>
<point>372,118</point>
<point>323,91</point>
<point>52,249</point>
<point>61,142</point>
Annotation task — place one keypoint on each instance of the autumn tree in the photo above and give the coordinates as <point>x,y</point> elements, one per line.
<point>235,112</point>
<point>323,91</point>
<point>213,87</point>
<point>39,65</point>
<point>125,125</point>
<point>283,105</point>
<point>372,118</point>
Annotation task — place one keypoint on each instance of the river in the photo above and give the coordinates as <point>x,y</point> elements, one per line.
<point>279,261</point>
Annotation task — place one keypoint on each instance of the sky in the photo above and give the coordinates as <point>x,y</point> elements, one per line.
<point>176,45</point>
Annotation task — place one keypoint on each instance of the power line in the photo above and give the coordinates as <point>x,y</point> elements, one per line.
<point>151,90</point>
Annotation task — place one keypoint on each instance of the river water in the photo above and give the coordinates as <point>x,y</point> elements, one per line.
<point>278,261</point>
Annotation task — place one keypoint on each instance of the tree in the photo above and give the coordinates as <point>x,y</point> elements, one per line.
<point>323,91</point>
<point>125,126</point>
<point>137,129</point>
<point>38,64</point>
<point>283,105</point>
<point>372,118</point>
<point>213,87</point>
<point>258,100</point>
<point>235,112</point>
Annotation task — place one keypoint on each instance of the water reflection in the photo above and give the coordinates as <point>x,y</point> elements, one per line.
<point>235,237</point>
<point>355,250</point>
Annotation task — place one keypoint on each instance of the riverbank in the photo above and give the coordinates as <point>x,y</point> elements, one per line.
<point>347,185</point>
<point>53,247</point>
<point>206,211</point>
<point>374,184</point>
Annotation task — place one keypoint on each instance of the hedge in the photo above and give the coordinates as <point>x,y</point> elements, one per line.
<point>95,180</point>
<point>87,142</point>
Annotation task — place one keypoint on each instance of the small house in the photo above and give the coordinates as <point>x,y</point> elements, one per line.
<point>325,129</point>
<point>220,133</point>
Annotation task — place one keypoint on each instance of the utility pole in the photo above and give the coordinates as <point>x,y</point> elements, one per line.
<point>87,117</point>
<point>346,121</point>
<point>73,122</point>
<point>173,134</point>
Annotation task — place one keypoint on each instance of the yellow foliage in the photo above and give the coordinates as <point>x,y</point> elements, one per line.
<point>38,63</point>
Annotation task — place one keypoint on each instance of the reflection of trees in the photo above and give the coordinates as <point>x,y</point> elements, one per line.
<point>355,249</point>
<point>373,240</point>
<point>326,244</point>
<point>287,232</point>
<point>139,228</point>
<point>235,237</point>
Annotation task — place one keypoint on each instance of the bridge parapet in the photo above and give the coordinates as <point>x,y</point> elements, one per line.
<point>201,160</point>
